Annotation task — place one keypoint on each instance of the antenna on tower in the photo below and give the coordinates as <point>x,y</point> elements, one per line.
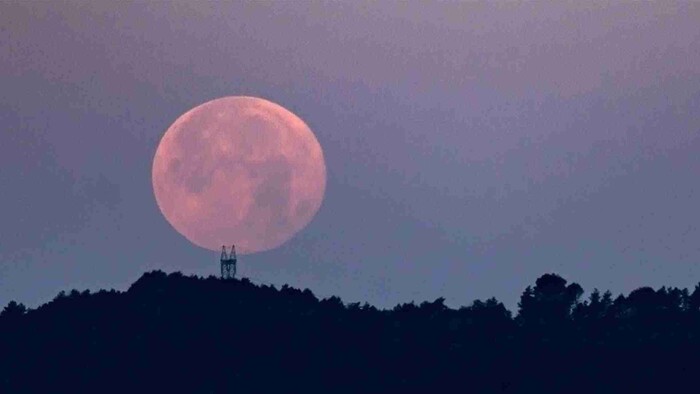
<point>228,263</point>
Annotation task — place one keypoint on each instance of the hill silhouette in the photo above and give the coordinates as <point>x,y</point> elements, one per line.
<point>175,334</point>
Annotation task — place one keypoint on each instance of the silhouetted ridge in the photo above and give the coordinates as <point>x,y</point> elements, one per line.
<point>177,334</point>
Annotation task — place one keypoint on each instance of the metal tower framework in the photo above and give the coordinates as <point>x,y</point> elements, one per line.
<point>228,263</point>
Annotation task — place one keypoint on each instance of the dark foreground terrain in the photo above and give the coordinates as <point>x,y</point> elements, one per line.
<point>177,334</point>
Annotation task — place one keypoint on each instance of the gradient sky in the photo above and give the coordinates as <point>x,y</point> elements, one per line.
<point>471,147</point>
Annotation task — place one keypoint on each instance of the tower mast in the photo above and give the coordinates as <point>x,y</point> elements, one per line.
<point>228,263</point>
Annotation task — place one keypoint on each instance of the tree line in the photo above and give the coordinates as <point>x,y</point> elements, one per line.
<point>174,333</point>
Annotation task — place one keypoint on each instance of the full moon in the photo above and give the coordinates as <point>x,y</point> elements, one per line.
<point>239,170</point>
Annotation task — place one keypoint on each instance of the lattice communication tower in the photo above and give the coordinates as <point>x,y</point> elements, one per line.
<point>228,263</point>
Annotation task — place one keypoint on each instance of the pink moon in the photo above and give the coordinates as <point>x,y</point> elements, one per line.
<point>239,170</point>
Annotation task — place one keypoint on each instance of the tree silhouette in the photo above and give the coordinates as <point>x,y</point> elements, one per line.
<point>173,333</point>
<point>13,311</point>
<point>549,304</point>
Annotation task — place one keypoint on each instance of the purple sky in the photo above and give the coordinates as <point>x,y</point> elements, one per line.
<point>471,147</point>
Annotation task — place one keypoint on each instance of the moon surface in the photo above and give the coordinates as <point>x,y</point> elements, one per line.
<point>239,170</point>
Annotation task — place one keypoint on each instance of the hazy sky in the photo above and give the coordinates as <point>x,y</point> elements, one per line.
<point>470,147</point>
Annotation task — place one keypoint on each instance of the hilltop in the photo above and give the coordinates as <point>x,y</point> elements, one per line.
<point>172,333</point>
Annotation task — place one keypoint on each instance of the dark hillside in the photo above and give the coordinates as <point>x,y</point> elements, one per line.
<point>171,333</point>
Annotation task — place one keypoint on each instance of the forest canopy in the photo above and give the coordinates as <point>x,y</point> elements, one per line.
<point>173,333</point>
